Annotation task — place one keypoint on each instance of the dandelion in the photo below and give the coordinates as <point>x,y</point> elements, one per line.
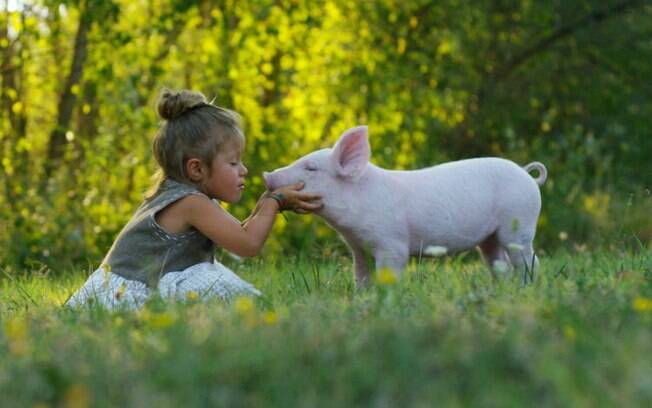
<point>569,332</point>
<point>192,296</point>
<point>246,310</point>
<point>77,396</point>
<point>244,305</point>
<point>435,250</point>
<point>642,305</point>
<point>270,318</point>
<point>17,336</point>
<point>161,320</point>
<point>386,277</point>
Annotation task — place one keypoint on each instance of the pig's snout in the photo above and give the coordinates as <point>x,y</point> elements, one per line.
<point>267,178</point>
<point>277,178</point>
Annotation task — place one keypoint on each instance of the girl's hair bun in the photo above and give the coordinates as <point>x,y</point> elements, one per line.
<point>172,104</point>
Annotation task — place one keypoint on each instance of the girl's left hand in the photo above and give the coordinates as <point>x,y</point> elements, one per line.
<point>291,198</point>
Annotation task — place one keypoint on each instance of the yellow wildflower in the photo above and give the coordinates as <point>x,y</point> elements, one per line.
<point>642,305</point>
<point>270,318</point>
<point>386,277</point>
<point>161,320</point>
<point>192,296</point>
<point>243,305</point>
<point>77,396</point>
<point>569,332</point>
<point>17,335</point>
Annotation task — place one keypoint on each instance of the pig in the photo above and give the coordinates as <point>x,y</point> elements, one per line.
<point>490,203</point>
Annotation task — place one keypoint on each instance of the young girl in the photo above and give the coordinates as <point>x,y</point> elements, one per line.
<point>168,245</point>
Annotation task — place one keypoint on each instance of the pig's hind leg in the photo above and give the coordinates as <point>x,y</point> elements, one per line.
<point>494,255</point>
<point>524,260</point>
<point>517,242</point>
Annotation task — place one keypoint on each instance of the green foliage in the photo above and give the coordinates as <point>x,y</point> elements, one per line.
<point>559,82</point>
<point>445,334</point>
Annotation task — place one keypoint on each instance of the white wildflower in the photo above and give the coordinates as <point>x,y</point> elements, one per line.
<point>501,267</point>
<point>435,250</point>
<point>515,247</point>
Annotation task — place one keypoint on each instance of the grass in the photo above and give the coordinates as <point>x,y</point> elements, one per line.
<point>444,335</point>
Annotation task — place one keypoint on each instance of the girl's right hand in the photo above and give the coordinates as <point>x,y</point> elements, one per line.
<point>291,198</point>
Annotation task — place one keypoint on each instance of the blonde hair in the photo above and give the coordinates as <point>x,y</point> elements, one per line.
<point>192,128</point>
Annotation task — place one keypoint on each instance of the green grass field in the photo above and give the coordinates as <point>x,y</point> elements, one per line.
<point>580,335</point>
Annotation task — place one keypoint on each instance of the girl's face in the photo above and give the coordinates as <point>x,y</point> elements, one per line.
<point>226,180</point>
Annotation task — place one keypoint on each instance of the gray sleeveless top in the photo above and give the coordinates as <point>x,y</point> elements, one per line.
<point>144,251</point>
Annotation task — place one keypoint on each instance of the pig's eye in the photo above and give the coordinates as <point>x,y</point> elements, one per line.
<point>310,167</point>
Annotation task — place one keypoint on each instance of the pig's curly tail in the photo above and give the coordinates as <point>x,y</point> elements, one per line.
<point>543,173</point>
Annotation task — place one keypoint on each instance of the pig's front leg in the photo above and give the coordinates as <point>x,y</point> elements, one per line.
<point>360,266</point>
<point>393,256</point>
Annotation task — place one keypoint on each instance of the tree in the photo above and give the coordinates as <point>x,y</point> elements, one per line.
<point>90,11</point>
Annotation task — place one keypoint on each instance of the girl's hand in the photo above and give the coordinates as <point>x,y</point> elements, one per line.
<point>290,198</point>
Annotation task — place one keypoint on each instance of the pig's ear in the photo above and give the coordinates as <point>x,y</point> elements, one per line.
<point>351,152</point>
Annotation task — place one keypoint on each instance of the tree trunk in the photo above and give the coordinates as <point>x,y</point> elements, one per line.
<point>10,74</point>
<point>12,104</point>
<point>87,119</point>
<point>57,142</point>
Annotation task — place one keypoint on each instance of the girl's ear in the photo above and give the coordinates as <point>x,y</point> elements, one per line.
<point>351,152</point>
<point>194,169</point>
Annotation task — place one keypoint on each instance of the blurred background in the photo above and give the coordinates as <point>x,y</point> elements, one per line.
<point>565,82</point>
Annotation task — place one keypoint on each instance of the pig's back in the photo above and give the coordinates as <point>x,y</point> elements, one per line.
<point>458,204</point>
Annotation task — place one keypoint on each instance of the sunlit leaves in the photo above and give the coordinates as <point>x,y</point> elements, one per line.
<point>423,75</point>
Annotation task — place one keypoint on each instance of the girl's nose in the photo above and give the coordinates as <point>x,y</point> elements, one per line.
<point>244,171</point>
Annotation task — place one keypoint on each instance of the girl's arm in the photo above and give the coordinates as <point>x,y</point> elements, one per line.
<point>244,239</point>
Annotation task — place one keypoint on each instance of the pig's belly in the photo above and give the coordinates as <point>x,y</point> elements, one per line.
<point>457,223</point>
<point>453,241</point>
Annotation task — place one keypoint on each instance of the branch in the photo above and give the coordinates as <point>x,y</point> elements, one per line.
<point>632,81</point>
<point>561,33</point>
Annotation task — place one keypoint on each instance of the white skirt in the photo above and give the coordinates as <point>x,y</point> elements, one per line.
<point>201,281</point>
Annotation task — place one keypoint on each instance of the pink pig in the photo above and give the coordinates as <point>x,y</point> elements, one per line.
<point>488,202</point>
